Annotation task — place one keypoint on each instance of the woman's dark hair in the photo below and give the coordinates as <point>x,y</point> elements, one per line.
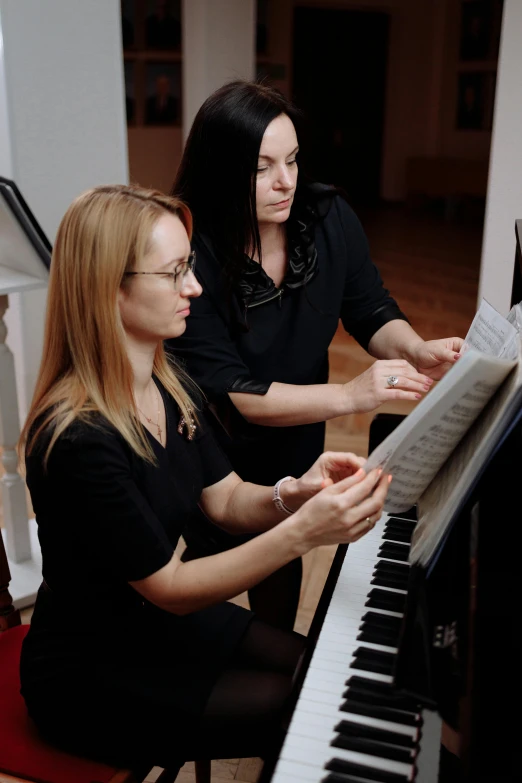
<point>216,177</point>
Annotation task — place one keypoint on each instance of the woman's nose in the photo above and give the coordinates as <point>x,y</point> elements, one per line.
<point>284,178</point>
<point>191,286</point>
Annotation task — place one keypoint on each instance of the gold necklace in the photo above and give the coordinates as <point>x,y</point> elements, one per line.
<point>154,423</point>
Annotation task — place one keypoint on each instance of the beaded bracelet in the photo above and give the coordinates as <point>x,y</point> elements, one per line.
<point>276,497</point>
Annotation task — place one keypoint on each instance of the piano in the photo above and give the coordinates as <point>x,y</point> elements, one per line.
<point>396,652</point>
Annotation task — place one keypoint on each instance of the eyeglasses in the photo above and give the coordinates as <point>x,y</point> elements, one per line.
<point>178,276</point>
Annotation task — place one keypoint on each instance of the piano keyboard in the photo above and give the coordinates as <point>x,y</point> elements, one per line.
<point>349,724</point>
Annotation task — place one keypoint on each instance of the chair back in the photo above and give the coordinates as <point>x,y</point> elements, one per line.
<point>9,616</point>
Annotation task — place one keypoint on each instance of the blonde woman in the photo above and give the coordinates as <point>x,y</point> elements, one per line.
<point>133,656</point>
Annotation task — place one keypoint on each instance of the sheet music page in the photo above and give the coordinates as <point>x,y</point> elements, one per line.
<point>489,332</point>
<point>448,490</point>
<point>420,445</point>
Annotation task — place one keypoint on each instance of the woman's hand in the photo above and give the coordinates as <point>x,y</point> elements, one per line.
<point>341,513</point>
<point>330,468</point>
<point>371,389</point>
<point>435,357</point>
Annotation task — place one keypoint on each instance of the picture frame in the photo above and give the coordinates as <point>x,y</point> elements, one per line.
<point>163,25</point>
<point>129,70</point>
<point>128,23</point>
<point>162,93</point>
<point>480,30</point>
<point>475,100</point>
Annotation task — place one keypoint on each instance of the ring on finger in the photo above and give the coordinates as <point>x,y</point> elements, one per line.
<point>369,521</point>
<point>392,381</point>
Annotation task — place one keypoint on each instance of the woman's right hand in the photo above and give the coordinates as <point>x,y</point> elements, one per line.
<point>343,512</point>
<point>370,389</point>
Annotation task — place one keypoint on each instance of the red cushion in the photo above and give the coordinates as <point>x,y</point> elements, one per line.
<point>22,752</point>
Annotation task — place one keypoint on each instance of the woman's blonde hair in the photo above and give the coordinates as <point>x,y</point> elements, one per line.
<point>85,368</point>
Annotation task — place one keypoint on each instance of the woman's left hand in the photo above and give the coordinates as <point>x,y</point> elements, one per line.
<point>435,357</point>
<point>330,468</point>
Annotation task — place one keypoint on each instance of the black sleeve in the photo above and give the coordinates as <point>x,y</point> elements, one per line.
<point>92,471</point>
<point>215,463</point>
<point>207,348</point>
<point>366,305</point>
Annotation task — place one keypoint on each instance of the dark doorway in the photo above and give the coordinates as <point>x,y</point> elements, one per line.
<point>340,59</point>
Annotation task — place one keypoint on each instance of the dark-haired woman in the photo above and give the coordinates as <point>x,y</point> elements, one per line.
<point>280,262</point>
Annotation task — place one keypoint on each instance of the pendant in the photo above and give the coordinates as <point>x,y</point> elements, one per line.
<point>191,427</point>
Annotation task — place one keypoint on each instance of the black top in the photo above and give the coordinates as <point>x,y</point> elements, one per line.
<point>259,334</point>
<point>106,517</point>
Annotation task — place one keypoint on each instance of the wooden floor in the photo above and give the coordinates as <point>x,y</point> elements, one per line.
<point>431,267</point>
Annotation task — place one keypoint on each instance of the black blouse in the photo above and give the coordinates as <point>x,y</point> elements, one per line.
<point>107,517</point>
<point>268,335</point>
<point>105,673</point>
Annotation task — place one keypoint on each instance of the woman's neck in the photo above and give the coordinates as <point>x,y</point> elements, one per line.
<point>273,239</point>
<point>141,357</point>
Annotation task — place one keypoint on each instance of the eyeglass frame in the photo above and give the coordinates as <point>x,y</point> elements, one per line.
<point>189,266</point>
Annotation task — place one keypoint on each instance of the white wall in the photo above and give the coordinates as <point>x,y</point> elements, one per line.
<point>504,201</point>
<point>64,129</point>
<point>218,46</point>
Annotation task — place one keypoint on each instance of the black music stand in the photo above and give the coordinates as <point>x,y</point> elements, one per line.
<point>25,251</point>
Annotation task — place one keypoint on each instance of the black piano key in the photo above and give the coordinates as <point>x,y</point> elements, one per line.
<point>350,729</point>
<point>363,745</point>
<point>382,599</point>
<point>382,631</point>
<point>382,620</point>
<point>383,713</point>
<point>367,654</point>
<point>362,771</point>
<point>385,580</point>
<point>404,523</point>
<point>385,566</point>
<point>379,667</point>
<point>378,637</point>
<point>385,690</point>
<point>392,699</point>
<point>394,552</point>
<point>399,524</point>
<point>396,535</point>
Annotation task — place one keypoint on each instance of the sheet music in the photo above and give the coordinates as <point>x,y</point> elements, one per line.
<point>420,445</point>
<point>448,490</point>
<point>490,333</point>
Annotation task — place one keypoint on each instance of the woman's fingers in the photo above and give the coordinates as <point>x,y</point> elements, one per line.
<point>369,510</point>
<point>337,461</point>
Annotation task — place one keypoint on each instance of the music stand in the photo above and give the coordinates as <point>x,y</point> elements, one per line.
<point>25,257</point>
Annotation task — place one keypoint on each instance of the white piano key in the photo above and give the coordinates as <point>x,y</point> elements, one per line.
<point>301,747</point>
<point>307,747</point>
<point>290,771</point>
<point>306,722</point>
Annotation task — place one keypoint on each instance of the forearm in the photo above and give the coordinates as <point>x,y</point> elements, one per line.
<point>285,404</point>
<point>250,508</point>
<point>211,580</point>
<point>395,340</point>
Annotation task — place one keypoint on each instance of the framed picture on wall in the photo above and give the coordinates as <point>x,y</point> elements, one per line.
<point>480,29</point>
<point>262,27</point>
<point>163,93</point>
<point>471,102</point>
<point>129,69</point>
<point>163,25</point>
<point>128,23</point>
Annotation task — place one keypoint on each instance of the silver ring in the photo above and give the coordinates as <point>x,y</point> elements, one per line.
<point>392,381</point>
